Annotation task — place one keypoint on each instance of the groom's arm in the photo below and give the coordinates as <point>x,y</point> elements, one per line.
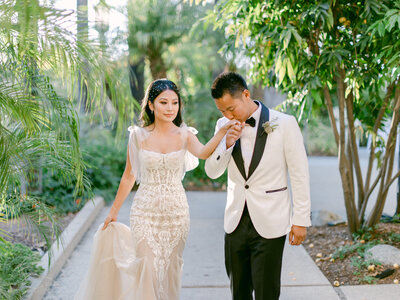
<point>217,163</point>
<point>296,159</point>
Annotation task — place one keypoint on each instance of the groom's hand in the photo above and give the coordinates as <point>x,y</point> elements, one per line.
<point>297,235</point>
<point>233,134</point>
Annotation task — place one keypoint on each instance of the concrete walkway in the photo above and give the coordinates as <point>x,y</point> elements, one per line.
<point>326,186</point>
<point>204,274</point>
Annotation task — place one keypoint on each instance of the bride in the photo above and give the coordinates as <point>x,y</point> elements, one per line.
<point>144,261</point>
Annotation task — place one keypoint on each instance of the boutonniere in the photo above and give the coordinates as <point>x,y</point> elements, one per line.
<point>270,126</point>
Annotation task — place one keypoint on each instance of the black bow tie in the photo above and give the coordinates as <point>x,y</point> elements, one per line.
<point>251,121</point>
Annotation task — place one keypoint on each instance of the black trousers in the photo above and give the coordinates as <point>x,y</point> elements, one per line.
<point>253,263</point>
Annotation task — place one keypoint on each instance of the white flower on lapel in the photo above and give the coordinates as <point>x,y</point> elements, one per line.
<point>270,126</point>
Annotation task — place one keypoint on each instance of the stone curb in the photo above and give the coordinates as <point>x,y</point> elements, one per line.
<point>70,237</point>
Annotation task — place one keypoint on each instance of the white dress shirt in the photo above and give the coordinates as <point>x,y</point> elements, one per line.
<point>248,139</point>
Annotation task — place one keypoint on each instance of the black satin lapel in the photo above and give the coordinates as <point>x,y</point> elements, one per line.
<point>238,158</point>
<point>261,139</point>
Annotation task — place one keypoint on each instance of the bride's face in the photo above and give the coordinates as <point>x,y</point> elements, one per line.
<point>165,106</point>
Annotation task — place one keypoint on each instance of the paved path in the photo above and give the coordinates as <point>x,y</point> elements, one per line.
<point>326,186</point>
<point>204,274</point>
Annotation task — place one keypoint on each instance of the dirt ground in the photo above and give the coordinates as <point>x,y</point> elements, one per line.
<point>18,231</point>
<point>322,242</point>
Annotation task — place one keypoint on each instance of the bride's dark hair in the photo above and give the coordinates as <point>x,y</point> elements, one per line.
<point>153,90</point>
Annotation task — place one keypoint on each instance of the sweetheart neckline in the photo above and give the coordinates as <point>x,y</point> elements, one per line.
<point>161,152</point>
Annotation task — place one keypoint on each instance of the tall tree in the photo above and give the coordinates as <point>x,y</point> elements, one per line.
<point>337,52</point>
<point>154,25</point>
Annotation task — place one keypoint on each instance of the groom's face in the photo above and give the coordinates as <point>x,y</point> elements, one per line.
<point>234,107</point>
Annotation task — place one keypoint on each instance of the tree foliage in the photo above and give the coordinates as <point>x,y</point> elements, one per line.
<point>38,127</point>
<point>330,53</point>
<point>155,25</point>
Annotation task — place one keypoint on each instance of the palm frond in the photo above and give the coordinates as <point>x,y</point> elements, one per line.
<point>38,127</point>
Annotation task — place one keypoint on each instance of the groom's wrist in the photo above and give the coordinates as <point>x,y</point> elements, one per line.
<point>228,145</point>
<point>222,148</point>
<point>228,149</point>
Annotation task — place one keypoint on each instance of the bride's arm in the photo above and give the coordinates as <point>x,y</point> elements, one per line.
<point>125,187</point>
<point>204,151</point>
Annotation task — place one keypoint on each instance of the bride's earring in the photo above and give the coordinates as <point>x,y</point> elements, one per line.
<point>149,106</point>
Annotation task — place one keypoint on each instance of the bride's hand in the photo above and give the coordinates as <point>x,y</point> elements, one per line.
<point>112,217</point>
<point>230,124</point>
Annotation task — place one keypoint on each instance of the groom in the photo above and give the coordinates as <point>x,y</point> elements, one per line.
<point>259,154</point>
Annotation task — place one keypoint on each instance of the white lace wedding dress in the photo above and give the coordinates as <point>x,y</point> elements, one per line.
<point>144,261</point>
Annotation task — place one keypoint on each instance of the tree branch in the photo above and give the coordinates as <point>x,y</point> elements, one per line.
<point>393,135</point>
<point>351,163</point>
<point>390,147</point>
<point>368,194</point>
<point>375,130</point>
<point>354,148</point>
<point>376,213</point>
<point>345,169</point>
<point>387,186</point>
<point>329,105</point>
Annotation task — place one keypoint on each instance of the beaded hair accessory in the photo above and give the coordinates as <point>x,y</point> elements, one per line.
<point>159,86</point>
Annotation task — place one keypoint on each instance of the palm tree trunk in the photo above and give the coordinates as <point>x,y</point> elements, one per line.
<point>157,66</point>
<point>136,79</point>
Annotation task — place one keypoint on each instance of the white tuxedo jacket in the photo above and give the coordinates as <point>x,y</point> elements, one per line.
<point>265,189</point>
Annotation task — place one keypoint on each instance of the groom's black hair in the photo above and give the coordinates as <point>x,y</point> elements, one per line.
<point>228,82</point>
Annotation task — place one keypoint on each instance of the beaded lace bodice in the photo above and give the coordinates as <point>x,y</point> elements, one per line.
<point>162,168</point>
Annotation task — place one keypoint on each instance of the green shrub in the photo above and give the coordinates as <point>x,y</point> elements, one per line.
<point>106,158</point>
<point>17,263</point>
<point>59,194</point>
<point>368,279</point>
<point>365,239</point>
<point>361,263</point>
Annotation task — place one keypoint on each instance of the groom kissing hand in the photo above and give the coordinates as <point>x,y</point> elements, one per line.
<point>261,154</point>
<point>233,134</point>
